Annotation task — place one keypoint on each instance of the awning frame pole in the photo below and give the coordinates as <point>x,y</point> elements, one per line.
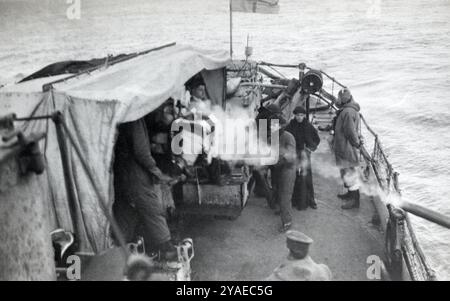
<point>68,181</point>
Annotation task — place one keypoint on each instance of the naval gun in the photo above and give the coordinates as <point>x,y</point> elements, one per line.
<point>221,187</point>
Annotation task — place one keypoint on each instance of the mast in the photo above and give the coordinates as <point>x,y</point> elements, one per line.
<point>231,30</point>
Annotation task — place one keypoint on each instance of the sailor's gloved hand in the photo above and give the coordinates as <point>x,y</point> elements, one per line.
<point>361,140</point>
<point>183,178</point>
<point>173,181</point>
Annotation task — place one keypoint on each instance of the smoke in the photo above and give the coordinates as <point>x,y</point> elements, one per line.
<point>232,135</point>
<point>324,165</point>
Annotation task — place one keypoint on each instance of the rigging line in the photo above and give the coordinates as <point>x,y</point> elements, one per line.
<point>243,66</point>
<point>332,78</point>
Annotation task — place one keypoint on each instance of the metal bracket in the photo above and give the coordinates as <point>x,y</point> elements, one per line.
<point>395,234</point>
<point>7,122</point>
<point>27,148</point>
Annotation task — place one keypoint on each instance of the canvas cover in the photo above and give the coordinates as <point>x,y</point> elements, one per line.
<point>93,105</point>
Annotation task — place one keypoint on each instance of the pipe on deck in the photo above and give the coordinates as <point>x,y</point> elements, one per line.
<point>425,213</point>
<point>263,85</point>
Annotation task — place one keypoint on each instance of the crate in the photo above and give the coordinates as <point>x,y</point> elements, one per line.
<point>226,200</point>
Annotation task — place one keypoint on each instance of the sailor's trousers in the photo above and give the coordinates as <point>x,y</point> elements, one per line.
<point>143,199</point>
<point>283,181</point>
<point>303,195</point>
<point>350,177</point>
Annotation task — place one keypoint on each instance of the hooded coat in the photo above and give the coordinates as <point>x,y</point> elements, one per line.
<point>347,136</point>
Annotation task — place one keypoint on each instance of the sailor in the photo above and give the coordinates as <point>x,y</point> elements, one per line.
<point>158,126</point>
<point>138,182</point>
<point>299,266</point>
<point>199,97</point>
<point>307,140</point>
<point>262,187</point>
<point>199,143</point>
<point>198,92</point>
<point>347,144</point>
<point>283,172</point>
<point>198,114</point>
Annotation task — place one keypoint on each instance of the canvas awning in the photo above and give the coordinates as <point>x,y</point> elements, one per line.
<point>143,83</point>
<point>93,105</point>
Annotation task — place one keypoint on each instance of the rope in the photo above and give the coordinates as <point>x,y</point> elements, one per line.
<point>243,66</point>
<point>332,78</point>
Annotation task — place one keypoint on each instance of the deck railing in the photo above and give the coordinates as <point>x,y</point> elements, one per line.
<point>401,228</point>
<point>388,180</point>
<point>402,246</point>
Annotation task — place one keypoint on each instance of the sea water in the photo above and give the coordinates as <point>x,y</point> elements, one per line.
<point>394,55</point>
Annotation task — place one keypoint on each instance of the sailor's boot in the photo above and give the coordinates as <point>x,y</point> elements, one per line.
<point>352,201</point>
<point>357,197</point>
<point>167,251</point>
<point>344,196</point>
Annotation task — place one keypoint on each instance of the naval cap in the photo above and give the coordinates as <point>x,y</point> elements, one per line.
<point>299,110</point>
<point>298,243</point>
<point>298,236</point>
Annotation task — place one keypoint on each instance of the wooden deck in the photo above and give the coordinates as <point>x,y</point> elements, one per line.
<point>250,247</point>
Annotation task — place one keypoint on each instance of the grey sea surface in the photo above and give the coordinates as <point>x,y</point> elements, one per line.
<point>393,54</point>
